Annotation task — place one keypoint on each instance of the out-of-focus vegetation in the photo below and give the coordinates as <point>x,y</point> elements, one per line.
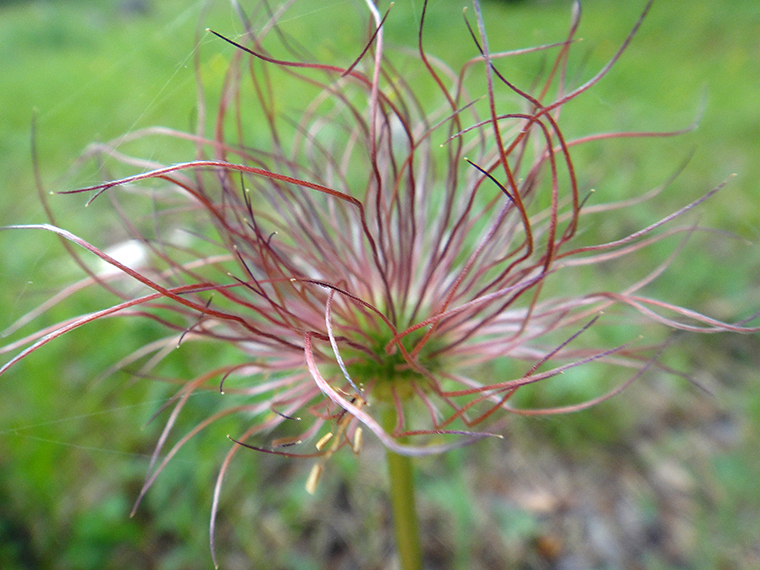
<point>74,448</point>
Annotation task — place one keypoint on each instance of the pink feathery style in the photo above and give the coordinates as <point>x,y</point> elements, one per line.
<point>397,258</point>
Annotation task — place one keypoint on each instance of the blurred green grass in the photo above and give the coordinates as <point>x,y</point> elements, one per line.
<point>73,453</point>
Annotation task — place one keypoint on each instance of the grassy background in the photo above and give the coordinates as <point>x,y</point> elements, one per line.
<point>73,452</point>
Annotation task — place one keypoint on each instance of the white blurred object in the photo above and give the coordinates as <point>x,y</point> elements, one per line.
<point>131,253</point>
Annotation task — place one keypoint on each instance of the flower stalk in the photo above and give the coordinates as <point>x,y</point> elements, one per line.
<point>405,523</point>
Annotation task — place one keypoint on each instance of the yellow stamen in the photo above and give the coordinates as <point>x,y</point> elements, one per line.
<point>358,440</point>
<point>323,440</point>
<point>314,475</point>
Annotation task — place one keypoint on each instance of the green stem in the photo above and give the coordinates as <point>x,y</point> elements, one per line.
<point>404,512</point>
